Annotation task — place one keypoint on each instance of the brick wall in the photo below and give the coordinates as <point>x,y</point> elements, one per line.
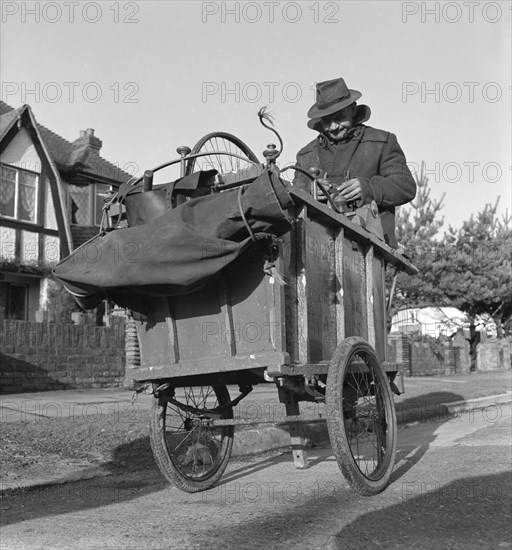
<point>50,356</point>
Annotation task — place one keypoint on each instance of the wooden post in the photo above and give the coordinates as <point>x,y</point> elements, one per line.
<point>297,439</point>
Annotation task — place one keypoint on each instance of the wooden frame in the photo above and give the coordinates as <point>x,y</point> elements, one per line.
<point>246,321</point>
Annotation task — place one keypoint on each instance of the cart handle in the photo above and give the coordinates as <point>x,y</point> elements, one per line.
<point>317,181</point>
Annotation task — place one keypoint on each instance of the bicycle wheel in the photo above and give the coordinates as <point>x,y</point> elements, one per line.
<point>361,417</point>
<point>190,452</point>
<point>224,164</point>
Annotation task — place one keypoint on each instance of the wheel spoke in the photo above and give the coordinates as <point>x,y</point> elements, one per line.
<point>220,142</point>
<point>196,450</point>
<point>362,423</point>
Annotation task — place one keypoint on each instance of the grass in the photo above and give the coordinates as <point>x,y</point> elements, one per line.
<point>32,449</point>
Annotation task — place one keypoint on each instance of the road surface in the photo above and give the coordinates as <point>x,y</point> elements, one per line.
<point>451,489</point>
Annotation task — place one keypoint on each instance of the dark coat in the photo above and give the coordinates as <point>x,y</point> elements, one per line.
<point>375,157</point>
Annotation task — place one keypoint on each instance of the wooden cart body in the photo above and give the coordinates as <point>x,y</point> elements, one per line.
<point>245,324</point>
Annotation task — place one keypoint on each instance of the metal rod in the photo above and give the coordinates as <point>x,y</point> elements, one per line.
<point>390,299</point>
<point>197,155</point>
<point>147,183</point>
<point>283,420</point>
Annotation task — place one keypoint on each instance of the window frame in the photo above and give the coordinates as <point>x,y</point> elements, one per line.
<point>7,292</point>
<point>17,193</point>
<point>93,191</point>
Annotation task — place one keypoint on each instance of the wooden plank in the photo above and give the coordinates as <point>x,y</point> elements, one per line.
<point>320,290</point>
<point>288,260</point>
<point>154,335</point>
<point>297,439</point>
<point>302,301</point>
<point>277,313</point>
<point>331,218</point>
<point>252,299</point>
<point>354,289</point>
<point>379,308</point>
<point>201,324</point>
<point>339,297</point>
<point>312,369</point>
<point>225,306</point>
<point>174,355</point>
<point>207,365</point>
<point>369,284</point>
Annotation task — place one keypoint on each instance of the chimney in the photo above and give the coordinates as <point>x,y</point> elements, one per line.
<point>88,140</point>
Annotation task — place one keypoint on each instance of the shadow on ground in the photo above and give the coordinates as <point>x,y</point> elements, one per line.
<point>132,471</point>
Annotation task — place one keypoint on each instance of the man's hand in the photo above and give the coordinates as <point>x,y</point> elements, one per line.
<point>350,190</point>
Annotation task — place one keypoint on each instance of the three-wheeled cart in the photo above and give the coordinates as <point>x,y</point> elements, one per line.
<point>320,337</point>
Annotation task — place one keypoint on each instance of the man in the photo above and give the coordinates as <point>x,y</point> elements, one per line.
<point>363,163</point>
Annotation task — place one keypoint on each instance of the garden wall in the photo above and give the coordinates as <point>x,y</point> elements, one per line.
<point>430,358</point>
<point>51,356</point>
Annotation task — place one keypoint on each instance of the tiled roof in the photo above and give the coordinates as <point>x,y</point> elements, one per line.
<point>63,153</point>
<point>7,116</point>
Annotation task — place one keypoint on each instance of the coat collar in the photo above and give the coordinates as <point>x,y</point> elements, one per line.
<point>354,133</point>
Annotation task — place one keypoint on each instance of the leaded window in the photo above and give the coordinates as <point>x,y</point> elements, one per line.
<point>18,193</point>
<point>79,204</point>
<point>86,203</point>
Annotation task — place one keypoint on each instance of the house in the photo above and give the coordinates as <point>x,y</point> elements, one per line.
<point>51,197</point>
<point>436,321</point>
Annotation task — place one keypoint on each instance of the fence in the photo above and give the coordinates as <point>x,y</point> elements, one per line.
<point>52,356</point>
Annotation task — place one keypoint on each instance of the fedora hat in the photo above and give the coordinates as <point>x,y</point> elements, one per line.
<point>332,96</point>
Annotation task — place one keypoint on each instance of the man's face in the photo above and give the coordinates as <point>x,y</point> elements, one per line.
<point>336,126</point>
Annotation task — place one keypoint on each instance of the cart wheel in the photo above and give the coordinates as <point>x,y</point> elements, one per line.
<point>190,453</point>
<point>224,164</point>
<point>361,416</point>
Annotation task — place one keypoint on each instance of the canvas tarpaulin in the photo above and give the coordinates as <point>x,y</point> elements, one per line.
<point>179,251</point>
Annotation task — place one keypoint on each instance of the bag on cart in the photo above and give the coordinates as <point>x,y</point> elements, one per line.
<point>179,251</point>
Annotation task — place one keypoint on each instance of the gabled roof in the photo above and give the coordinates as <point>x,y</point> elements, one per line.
<point>8,116</point>
<point>69,160</point>
<point>23,117</point>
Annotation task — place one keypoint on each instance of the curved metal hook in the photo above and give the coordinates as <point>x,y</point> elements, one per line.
<point>263,115</point>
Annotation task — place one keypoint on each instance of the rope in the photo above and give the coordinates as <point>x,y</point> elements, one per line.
<point>249,228</point>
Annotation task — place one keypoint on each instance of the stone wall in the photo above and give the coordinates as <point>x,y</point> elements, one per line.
<point>494,355</point>
<point>426,362</point>
<point>420,358</point>
<point>51,356</point>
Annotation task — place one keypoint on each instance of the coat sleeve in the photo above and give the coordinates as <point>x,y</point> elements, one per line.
<point>394,185</point>
<point>306,158</point>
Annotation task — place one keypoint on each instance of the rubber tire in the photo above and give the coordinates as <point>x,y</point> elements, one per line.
<point>164,460</point>
<point>224,135</point>
<point>335,420</point>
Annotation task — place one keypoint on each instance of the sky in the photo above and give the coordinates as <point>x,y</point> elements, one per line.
<point>150,76</point>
